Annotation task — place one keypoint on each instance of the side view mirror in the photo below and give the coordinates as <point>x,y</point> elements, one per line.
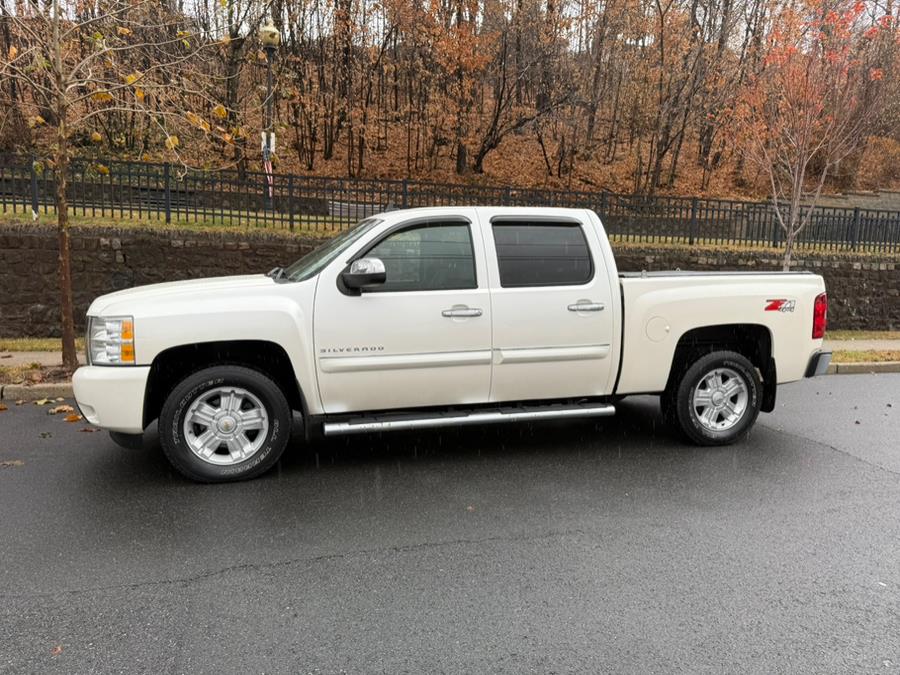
<point>364,272</point>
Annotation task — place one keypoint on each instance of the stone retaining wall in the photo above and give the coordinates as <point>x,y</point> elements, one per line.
<point>864,290</point>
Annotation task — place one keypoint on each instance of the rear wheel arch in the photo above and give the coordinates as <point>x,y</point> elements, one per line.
<point>714,401</point>
<point>754,341</point>
<point>173,365</point>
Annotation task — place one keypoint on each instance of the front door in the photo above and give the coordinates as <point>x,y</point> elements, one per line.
<point>552,305</point>
<point>423,338</point>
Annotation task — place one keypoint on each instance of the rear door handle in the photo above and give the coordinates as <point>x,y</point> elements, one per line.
<point>461,311</point>
<point>587,307</point>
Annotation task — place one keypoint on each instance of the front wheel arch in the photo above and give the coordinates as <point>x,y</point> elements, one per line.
<point>171,366</point>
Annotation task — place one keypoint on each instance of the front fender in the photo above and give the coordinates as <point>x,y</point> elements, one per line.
<point>284,318</point>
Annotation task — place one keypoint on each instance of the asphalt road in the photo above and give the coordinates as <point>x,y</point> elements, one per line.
<point>570,547</point>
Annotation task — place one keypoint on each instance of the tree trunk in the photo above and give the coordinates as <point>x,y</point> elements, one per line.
<point>788,251</point>
<point>462,158</point>
<point>66,304</point>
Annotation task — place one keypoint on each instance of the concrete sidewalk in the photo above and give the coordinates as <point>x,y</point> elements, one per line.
<point>27,358</point>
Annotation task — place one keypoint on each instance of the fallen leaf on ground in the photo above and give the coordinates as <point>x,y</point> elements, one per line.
<point>59,399</point>
<point>42,401</point>
<point>88,430</point>
<point>10,463</point>
<point>61,409</point>
<point>21,401</point>
<point>46,434</point>
<point>56,651</point>
<point>74,417</point>
<point>5,356</point>
<point>3,407</point>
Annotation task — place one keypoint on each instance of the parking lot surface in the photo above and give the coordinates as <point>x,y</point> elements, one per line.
<point>554,547</point>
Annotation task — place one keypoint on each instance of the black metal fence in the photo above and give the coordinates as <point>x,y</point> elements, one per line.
<point>171,194</point>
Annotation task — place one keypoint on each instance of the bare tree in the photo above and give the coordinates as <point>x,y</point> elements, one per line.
<point>75,64</point>
<point>810,105</point>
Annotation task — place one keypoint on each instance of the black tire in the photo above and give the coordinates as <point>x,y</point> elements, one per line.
<point>678,402</point>
<point>172,434</point>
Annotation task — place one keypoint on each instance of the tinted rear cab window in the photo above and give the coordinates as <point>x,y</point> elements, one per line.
<point>542,254</point>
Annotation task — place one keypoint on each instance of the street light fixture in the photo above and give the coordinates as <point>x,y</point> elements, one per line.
<point>270,39</point>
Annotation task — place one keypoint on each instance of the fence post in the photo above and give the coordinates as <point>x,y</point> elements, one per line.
<point>604,205</point>
<point>34,189</point>
<point>168,194</point>
<point>291,201</point>
<point>854,229</point>
<point>507,196</point>
<point>774,229</point>
<point>405,196</point>
<point>693,226</point>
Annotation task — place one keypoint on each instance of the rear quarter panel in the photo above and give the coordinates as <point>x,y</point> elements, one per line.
<point>660,310</point>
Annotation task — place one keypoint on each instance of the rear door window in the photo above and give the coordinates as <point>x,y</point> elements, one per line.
<point>542,254</point>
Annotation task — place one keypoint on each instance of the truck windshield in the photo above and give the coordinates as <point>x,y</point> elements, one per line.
<point>315,261</point>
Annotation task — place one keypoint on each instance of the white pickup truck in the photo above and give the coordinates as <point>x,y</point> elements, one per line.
<point>441,316</point>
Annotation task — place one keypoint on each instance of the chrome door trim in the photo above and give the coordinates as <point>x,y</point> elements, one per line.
<point>349,364</point>
<point>542,354</point>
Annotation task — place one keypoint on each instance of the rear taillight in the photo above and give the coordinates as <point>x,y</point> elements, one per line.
<point>820,316</point>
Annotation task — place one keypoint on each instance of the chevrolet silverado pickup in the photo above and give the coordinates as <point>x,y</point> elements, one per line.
<point>441,317</point>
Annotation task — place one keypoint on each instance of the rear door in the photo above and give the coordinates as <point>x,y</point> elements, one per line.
<point>552,303</point>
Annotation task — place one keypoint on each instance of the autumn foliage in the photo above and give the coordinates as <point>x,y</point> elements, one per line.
<point>620,95</point>
<point>814,101</point>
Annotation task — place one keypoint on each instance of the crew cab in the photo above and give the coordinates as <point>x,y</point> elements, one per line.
<point>440,317</point>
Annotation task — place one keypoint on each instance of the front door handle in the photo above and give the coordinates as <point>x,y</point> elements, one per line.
<point>587,307</point>
<point>461,311</point>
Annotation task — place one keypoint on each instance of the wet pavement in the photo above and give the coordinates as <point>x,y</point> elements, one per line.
<point>559,547</point>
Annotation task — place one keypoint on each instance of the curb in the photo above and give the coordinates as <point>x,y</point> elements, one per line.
<point>35,392</point>
<point>864,368</point>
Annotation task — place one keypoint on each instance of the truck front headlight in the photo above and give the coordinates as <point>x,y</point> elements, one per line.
<point>110,340</point>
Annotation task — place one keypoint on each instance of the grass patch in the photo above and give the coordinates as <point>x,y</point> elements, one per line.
<point>862,335</point>
<point>310,226</point>
<point>36,344</point>
<point>867,356</point>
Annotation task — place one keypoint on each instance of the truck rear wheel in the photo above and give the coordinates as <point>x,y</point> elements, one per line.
<point>224,423</point>
<point>716,399</point>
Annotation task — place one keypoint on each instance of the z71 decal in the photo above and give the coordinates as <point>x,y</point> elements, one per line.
<point>780,305</point>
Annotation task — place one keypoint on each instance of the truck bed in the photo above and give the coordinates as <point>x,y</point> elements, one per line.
<point>690,273</point>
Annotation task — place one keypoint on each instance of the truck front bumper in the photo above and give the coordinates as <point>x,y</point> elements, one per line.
<point>818,364</point>
<point>112,397</point>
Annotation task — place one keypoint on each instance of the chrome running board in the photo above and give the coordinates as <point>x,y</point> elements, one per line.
<point>384,422</point>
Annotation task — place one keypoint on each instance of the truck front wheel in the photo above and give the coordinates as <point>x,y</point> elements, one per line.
<point>716,399</point>
<point>224,423</point>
